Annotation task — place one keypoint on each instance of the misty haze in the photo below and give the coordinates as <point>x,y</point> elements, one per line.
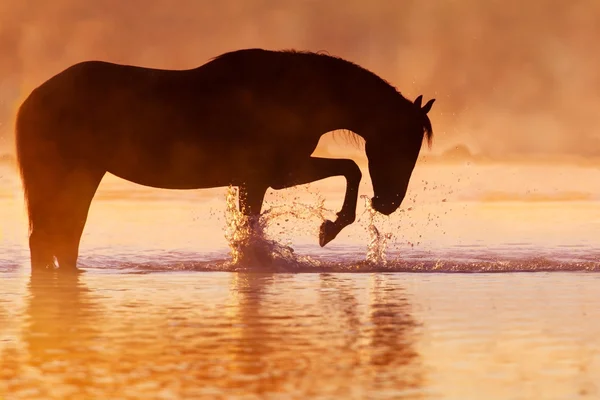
<point>482,282</point>
<point>512,77</point>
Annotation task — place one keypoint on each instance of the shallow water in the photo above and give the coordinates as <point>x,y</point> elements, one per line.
<point>508,307</point>
<point>268,335</point>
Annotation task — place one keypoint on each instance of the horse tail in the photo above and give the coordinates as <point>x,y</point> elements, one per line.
<point>34,153</point>
<point>22,157</point>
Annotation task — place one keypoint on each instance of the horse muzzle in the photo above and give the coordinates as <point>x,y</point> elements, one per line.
<point>384,207</point>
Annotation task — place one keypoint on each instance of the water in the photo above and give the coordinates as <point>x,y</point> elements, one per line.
<point>322,335</point>
<point>181,299</point>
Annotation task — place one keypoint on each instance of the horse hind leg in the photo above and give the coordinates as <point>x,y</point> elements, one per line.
<point>75,200</point>
<point>58,202</point>
<point>39,184</point>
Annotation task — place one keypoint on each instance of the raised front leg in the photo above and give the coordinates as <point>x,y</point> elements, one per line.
<point>314,169</point>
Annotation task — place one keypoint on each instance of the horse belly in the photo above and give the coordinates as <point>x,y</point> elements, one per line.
<point>171,151</point>
<point>181,169</point>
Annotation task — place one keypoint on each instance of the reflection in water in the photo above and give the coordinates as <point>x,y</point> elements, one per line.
<point>216,335</point>
<point>392,350</point>
<point>337,297</point>
<point>60,335</point>
<point>250,335</point>
<point>282,343</point>
<point>380,343</point>
<point>252,341</point>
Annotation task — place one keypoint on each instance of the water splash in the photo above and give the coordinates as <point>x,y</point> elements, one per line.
<point>378,241</point>
<point>250,246</point>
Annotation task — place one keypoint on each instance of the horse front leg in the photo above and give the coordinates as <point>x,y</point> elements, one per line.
<point>251,200</point>
<point>315,169</point>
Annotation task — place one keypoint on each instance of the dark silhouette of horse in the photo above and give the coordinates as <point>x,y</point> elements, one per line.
<point>249,118</point>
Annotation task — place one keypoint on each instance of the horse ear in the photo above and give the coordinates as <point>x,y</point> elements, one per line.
<point>418,101</point>
<point>427,107</point>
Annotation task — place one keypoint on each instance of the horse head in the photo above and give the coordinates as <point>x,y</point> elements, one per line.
<point>393,153</point>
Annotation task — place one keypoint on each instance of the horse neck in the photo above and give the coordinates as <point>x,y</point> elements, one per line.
<point>366,107</point>
<point>368,118</point>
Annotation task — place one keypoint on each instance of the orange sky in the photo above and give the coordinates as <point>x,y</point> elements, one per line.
<point>510,76</point>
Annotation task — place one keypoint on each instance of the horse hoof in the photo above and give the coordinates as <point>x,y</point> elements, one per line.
<point>327,232</point>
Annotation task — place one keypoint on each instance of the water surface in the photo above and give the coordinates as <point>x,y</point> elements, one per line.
<point>268,335</point>
<point>476,291</point>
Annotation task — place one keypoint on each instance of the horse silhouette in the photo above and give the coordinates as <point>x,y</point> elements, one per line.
<point>249,118</point>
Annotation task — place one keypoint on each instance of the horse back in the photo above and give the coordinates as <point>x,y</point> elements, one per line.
<point>236,111</point>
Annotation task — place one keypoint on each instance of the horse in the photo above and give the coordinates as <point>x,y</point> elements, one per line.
<point>249,118</point>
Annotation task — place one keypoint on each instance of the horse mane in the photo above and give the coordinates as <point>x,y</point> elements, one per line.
<point>428,131</point>
<point>381,83</point>
<point>349,137</point>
